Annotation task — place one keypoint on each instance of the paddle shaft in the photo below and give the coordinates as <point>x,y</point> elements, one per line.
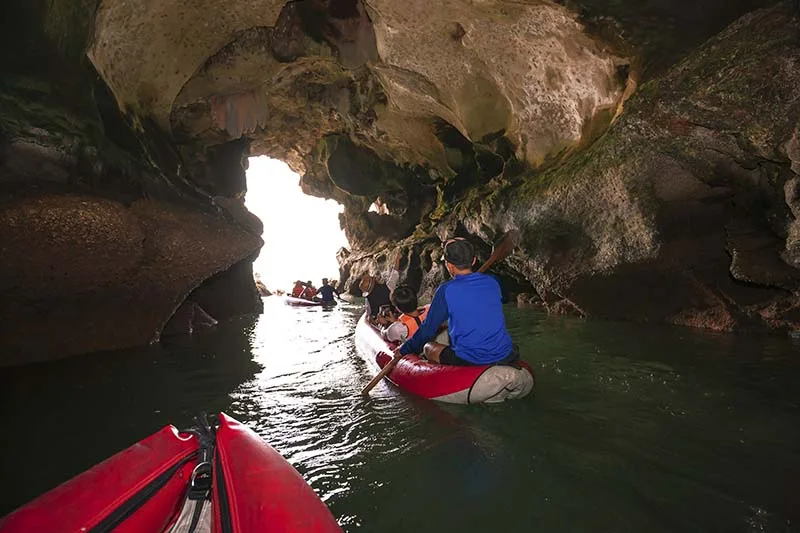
<point>500,252</point>
<point>380,375</point>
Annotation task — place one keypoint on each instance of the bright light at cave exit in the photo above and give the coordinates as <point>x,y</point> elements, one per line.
<point>301,232</point>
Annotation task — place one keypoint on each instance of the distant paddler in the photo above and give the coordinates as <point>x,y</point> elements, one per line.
<point>309,292</point>
<point>327,293</point>
<point>298,289</point>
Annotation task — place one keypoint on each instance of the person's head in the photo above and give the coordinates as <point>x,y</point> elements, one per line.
<point>324,281</point>
<point>386,315</point>
<point>366,284</point>
<point>459,256</point>
<point>298,282</point>
<point>404,299</point>
<point>309,284</point>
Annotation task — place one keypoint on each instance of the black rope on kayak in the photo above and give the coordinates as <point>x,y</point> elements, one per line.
<point>202,475</point>
<point>195,515</point>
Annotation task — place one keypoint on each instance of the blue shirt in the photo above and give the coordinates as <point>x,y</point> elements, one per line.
<point>327,293</point>
<point>473,307</point>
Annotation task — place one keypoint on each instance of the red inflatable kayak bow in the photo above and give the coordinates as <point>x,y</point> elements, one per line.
<point>143,488</point>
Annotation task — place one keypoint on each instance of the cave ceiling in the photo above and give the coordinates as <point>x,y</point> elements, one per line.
<point>440,92</point>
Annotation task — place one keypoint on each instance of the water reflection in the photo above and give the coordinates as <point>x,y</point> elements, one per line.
<point>633,428</point>
<point>62,417</point>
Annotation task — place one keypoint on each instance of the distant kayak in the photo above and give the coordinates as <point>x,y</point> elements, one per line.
<point>221,479</point>
<point>446,383</point>
<point>300,302</point>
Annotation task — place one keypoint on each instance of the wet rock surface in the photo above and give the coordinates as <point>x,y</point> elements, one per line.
<point>82,273</point>
<point>680,213</point>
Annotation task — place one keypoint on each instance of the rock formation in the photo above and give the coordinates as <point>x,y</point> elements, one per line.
<point>647,152</point>
<point>681,212</point>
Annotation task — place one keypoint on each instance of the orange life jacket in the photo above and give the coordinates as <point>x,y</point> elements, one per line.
<point>297,291</point>
<point>309,293</point>
<point>413,322</point>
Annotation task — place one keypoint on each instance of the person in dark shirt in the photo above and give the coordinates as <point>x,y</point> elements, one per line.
<point>471,304</point>
<point>377,292</point>
<point>327,292</point>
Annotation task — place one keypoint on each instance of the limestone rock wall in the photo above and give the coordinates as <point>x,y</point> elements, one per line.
<point>82,274</point>
<point>683,212</point>
<point>529,71</point>
<point>105,224</point>
<point>680,213</point>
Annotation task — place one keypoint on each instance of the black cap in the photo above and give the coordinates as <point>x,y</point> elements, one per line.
<point>459,252</point>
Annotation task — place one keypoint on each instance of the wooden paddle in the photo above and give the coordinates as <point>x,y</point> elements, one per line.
<point>501,251</point>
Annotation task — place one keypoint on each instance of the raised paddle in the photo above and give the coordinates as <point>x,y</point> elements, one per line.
<point>501,251</point>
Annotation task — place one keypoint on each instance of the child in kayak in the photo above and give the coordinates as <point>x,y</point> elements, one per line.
<point>390,328</point>
<point>404,298</point>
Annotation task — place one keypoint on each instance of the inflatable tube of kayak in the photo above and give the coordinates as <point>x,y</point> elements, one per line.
<point>300,302</point>
<point>446,383</point>
<point>143,489</point>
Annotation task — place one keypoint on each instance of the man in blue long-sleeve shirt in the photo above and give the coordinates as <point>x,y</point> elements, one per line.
<point>471,304</point>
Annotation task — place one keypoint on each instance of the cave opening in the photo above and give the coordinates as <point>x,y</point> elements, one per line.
<point>302,233</point>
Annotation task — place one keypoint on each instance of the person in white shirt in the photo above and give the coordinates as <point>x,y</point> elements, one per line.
<point>391,329</point>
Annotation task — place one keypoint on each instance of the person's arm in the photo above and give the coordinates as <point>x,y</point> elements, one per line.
<point>428,329</point>
<point>394,274</point>
<point>394,277</point>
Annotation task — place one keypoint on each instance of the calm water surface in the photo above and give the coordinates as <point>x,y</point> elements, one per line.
<point>632,428</point>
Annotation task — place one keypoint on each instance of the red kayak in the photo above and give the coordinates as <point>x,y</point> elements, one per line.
<point>220,479</point>
<point>300,302</point>
<point>446,383</point>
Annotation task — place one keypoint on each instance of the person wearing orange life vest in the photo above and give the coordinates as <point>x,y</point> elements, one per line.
<point>404,298</point>
<point>309,291</point>
<point>298,289</point>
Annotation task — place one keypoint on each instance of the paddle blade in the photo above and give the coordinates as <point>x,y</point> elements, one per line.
<point>503,248</point>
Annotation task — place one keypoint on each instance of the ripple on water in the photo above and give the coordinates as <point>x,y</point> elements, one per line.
<point>633,428</point>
